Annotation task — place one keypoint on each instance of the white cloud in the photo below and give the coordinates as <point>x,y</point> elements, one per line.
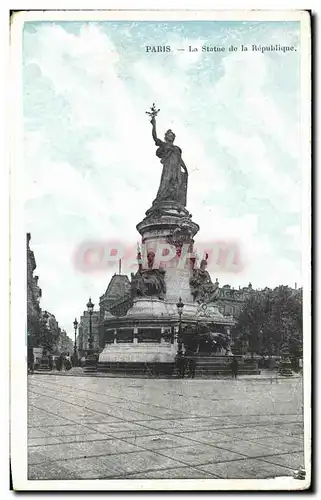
<point>252,158</point>
<point>186,58</point>
<point>295,235</point>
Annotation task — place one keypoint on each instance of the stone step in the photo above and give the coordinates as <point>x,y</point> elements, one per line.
<point>224,367</point>
<point>222,371</point>
<point>134,366</point>
<point>170,369</point>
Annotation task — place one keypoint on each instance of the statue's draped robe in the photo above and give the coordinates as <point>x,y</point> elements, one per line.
<point>173,184</point>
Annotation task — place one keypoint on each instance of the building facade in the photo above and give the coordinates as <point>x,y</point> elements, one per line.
<point>42,332</point>
<point>116,296</point>
<point>231,300</point>
<point>33,296</point>
<point>65,344</point>
<point>116,300</point>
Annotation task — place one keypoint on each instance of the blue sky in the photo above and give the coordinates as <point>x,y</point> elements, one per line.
<point>91,169</point>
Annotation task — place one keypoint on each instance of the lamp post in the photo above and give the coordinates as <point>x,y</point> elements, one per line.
<point>90,309</point>
<point>285,366</point>
<point>90,363</point>
<point>180,306</point>
<point>45,317</point>
<point>75,344</point>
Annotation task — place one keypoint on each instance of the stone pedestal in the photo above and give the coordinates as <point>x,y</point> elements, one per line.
<point>170,226</point>
<point>285,368</point>
<point>163,352</point>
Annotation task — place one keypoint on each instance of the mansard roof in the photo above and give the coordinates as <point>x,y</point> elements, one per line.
<point>118,287</point>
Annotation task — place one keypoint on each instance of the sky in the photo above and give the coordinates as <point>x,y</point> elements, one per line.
<point>90,166</point>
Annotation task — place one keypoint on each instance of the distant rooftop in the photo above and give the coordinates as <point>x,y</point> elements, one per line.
<point>118,286</point>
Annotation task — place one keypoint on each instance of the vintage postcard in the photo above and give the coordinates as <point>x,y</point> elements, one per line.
<point>160,250</point>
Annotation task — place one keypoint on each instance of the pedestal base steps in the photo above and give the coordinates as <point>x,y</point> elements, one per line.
<point>209,366</point>
<point>154,359</point>
<point>90,366</point>
<point>151,370</point>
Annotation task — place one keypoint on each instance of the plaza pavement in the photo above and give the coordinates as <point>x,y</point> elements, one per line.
<point>108,428</point>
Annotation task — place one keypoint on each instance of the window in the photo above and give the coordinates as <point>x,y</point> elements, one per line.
<point>149,334</point>
<point>125,335</point>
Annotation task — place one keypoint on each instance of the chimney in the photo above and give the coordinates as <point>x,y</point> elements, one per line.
<point>295,285</point>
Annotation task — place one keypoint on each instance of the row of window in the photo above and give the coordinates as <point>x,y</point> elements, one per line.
<point>143,335</point>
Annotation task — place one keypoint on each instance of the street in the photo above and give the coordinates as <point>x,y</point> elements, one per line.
<point>100,428</point>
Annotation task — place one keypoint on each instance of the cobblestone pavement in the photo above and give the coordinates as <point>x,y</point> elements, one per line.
<point>101,428</point>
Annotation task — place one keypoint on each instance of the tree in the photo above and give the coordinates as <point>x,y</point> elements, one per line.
<point>34,329</point>
<point>269,319</point>
<point>248,330</point>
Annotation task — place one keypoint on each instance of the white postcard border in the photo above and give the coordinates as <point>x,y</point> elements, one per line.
<point>18,257</point>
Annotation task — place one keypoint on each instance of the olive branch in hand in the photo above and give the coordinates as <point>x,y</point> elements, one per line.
<point>153,111</point>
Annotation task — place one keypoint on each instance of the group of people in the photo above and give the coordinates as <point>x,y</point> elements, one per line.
<point>61,362</point>
<point>185,364</point>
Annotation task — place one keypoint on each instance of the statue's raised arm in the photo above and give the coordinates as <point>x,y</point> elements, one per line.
<point>153,113</point>
<point>157,141</point>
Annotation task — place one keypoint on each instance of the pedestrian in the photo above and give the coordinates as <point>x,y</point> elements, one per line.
<point>62,362</point>
<point>234,367</point>
<point>192,367</point>
<point>181,364</point>
<point>58,363</point>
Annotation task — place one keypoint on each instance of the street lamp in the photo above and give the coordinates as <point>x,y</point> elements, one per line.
<point>91,360</point>
<point>180,306</point>
<point>75,344</point>
<point>90,309</point>
<point>44,363</point>
<point>45,317</point>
